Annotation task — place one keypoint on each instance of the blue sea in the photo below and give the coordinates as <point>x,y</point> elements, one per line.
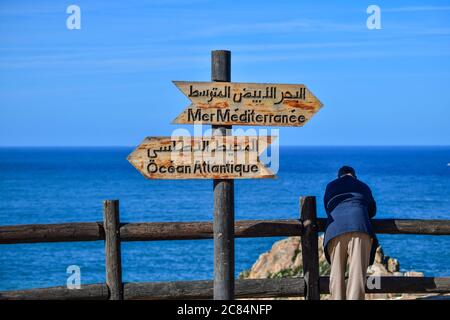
<point>54,185</point>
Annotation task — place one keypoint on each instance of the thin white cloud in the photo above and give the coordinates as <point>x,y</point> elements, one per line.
<point>289,26</point>
<point>188,61</point>
<point>340,56</point>
<point>416,9</point>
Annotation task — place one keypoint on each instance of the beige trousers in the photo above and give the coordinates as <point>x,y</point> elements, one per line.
<point>354,248</point>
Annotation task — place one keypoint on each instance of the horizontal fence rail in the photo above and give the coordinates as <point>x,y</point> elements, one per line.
<point>200,289</point>
<point>61,232</point>
<point>203,289</point>
<point>153,231</point>
<point>86,292</point>
<point>402,285</point>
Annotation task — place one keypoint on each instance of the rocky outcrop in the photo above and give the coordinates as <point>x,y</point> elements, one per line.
<point>284,259</point>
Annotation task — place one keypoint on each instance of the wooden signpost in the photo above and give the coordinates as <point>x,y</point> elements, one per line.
<point>223,223</point>
<point>255,104</point>
<point>216,157</point>
<point>223,157</point>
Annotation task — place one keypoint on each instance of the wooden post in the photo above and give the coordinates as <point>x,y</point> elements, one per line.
<point>310,250</point>
<point>111,224</point>
<point>223,225</point>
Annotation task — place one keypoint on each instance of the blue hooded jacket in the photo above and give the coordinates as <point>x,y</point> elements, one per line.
<point>350,206</point>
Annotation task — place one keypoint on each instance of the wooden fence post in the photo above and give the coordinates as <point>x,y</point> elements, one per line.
<point>111,224</point>
<point>223,225</point>
<point>310,250</point>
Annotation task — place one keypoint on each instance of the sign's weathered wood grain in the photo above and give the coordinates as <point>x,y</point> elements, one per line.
<point>215,157</point>
<point>255,104</point>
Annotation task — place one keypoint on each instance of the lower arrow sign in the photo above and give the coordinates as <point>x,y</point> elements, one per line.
<point>217,157</point>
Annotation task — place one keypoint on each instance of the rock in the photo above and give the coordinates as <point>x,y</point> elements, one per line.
<point>393,265</point>
<point>282,256</point>
<point>413,274</point>
<point>384,265</point>
<point>283,259</point>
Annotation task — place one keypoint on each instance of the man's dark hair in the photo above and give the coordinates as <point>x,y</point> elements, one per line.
<point>346,170</point>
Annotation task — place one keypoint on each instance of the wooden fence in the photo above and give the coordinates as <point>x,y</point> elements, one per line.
<point>112,232</point>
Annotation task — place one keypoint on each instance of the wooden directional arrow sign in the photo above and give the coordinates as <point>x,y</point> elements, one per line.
<point>216,157</point>
<point>255,104</point>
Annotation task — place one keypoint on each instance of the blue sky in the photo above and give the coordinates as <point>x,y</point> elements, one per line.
<point>109,84</point>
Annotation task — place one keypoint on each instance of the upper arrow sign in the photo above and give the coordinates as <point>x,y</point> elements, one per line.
<point>255,104</point>
<point>216,157</point>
